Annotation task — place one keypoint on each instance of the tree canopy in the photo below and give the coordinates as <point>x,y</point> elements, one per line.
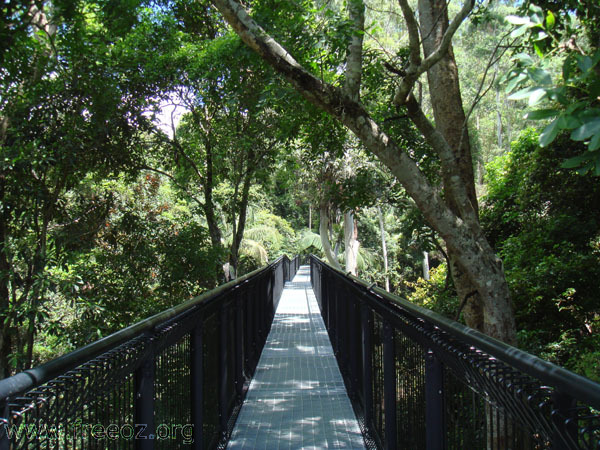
<point>151,150</point>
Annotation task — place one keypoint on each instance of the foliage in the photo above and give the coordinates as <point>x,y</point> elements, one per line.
<point>434,294</point>
<point>571,93</point>
<point>544,222</point>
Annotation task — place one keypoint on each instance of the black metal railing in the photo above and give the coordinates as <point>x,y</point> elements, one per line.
<point>175,380</point>
<point>420,381</point>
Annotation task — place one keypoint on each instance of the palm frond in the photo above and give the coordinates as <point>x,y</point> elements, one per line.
<point>309,239</point>
<point>254,250</point>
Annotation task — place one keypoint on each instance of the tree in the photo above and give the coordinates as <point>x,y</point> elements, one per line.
<point>569,96</point>
<point>228,138</point>
<point>462,234</point>
<point>73,105</point>
<point>544,222</point>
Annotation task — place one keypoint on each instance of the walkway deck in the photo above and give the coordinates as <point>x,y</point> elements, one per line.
<point>297,398</point>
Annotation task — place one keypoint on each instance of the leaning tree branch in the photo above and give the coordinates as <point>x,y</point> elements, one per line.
<point>417,67</point>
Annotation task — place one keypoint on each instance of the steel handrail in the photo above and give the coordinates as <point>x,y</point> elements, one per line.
<point>29,379</point>
<point>577,386</point>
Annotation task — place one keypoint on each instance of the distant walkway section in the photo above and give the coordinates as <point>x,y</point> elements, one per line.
<point>297,398</point>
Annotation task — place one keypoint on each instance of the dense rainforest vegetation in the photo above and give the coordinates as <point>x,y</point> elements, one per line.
<point>153,149</point>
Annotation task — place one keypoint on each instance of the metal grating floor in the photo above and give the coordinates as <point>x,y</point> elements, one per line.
<point>297,398</point>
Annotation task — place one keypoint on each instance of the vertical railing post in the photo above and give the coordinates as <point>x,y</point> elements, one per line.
<point>239,344</point>
<point>342,313</point>
<point>389,386</point>
<point>248,354</point>
<point>144,378</point>
<point>434,402</point>
<point>353,349</point>
<point>223,371</point>
<point>367,361</point>
<point>261,290</point>
<point>332,294</point>
<point>566,430</point>
<point>197,381</point>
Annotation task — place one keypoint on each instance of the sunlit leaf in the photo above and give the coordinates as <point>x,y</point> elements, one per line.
<point>537,96</point>
<point>541,114</point>
<point>549,133</point>
<point>519,31</point>
<point>550,20</point>
<point>587,130</point>
<point>522,94</point>
<point>594,143</point>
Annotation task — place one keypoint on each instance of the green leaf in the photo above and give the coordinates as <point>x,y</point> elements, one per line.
<point>522,94</point>
<point>518,32</point>
<point>596,57</point>
<point>549,133</point>
<point>514,82</point>
<point>538,50</point>
<point>550,20</point>
<point>537,96</point>
<point>524,59</point>
<point>594,143</point>
<point>568,122</point>
<point>587,130</point>
<point>541,114</point>
<point>585,63</point>
<point>540,76</point>
<point>575,161</point>
<point>574,107</point>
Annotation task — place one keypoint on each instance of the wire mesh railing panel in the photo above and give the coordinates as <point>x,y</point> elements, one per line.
<point>174,427</point>
<point>210,377</point>
<point>175,380</point>
<point>377,377</point>
<point>429,382</point>
<point>410,392</point>
<point>49,416</point>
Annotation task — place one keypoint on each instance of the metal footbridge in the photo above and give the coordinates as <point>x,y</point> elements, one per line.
<point>298,357</point>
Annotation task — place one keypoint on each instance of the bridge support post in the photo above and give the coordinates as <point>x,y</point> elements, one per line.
<point>197,384</point>
<point>367,362</point>
<point>239,345</point>
<point>565,421</point>
<point>144,378</point>
<point>389,386</point>
<point>223,370</point>
<point>434,402</point>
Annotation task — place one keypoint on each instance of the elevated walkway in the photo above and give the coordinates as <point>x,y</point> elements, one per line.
<point>297,398</point>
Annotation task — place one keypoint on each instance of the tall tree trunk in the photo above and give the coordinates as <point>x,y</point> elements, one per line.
<point>463,236</point>
<point>351,243</point>
<point>449,117</point>
<point>309,217</point>
<point>324,234</point>
<point>356,12</point>
<point>209,206</point>
<point>241,224</point>
<point>425,265</point>
<point>383,249</point>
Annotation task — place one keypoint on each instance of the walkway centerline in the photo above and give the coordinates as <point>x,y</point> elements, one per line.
<point>297,398</point>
